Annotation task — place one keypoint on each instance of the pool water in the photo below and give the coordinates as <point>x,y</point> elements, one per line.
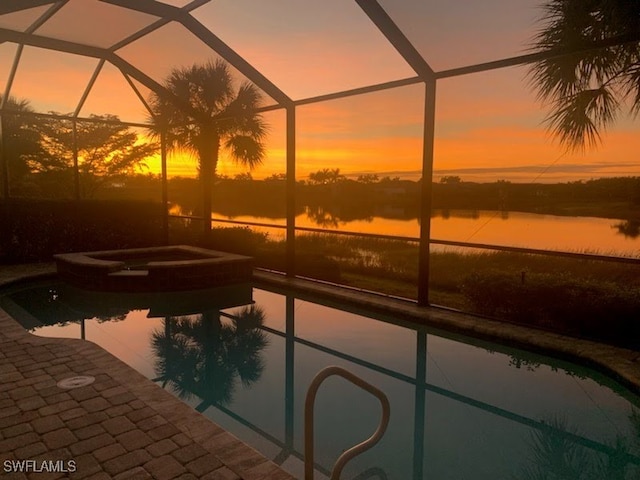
<point>460,408</point>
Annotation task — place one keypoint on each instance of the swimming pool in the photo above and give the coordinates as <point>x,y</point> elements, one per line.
<point>460,408</point>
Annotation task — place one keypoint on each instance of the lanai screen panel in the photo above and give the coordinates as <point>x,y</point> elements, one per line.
<point>52,81</point>
<point>491,126</point>
<point>453,34</point>
<point>177,3</point>
<point>21,20</point>
<point>306,48</point>
<point>375,133</point>
<point>170,47</point>
<point>7,55</point>
<point>111,94</point>
<point>94,23</point>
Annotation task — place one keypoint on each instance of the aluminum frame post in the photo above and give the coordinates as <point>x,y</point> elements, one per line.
<point>426,192</point>
<point>419,413</point>
<point>4,163</point>
<point>290,262</point>
<point>165,185</point>
<point>76,167</point>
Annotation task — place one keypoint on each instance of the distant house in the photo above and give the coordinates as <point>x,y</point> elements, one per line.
<point>392,190</point>
<point>391,211</point>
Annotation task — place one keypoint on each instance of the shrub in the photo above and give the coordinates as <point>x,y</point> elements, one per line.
<point>307,264</point>
<point>318,266</point>
<point>34,230</point>
<point>241,240</point>
<point>584,307</point>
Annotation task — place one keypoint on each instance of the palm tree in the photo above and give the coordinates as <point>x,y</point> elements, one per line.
<point>204,114</point>
<point>586,90</point>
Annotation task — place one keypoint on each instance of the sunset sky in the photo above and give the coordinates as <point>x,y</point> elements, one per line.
<point>489,125</point>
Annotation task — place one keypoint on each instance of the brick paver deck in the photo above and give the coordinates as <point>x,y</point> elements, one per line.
<point>122,426</point>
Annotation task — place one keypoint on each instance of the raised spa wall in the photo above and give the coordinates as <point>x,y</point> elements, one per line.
<point>155,269</point>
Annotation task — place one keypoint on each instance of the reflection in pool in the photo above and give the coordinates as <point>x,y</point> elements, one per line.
<point>460,408</point>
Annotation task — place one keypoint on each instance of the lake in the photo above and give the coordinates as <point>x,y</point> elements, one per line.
<point>518,229</point>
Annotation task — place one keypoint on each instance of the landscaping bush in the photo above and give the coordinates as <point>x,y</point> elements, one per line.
<point>584,307</point>
<point>307,264</point>
<point>241,240</point>
<point>363,256</point>
<point>318,266</point>
<point>34,230</point>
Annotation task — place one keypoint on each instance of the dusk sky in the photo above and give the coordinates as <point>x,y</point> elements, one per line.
<point>489,125</point>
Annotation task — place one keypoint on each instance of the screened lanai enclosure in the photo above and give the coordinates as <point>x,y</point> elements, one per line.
<point>475,155</point>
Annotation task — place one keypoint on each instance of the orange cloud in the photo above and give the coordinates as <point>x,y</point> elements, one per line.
<point>511,147</point>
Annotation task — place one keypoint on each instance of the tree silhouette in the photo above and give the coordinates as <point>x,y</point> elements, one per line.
<point>451,179</point>
<point>586,90</point>
<point>628,228</point>
<point>368,178</point>
<point>20,137</point>
<point>107,150</point>
<point>326,176</point>
<point>205,115</point>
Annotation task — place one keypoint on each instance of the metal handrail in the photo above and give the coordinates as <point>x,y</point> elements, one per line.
<point>309,425</point>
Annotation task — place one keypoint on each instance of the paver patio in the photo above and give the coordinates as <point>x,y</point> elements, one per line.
<point>122,426</point>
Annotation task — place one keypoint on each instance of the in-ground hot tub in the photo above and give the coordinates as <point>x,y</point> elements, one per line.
<point>154,269</point>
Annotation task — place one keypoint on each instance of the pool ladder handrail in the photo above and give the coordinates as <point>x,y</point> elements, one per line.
<point>309,425</point>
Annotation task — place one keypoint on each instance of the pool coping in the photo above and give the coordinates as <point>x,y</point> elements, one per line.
<point>19,415</point>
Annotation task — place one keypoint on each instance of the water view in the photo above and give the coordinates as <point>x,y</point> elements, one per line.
<point>608,236</point>
<point>460,408</point>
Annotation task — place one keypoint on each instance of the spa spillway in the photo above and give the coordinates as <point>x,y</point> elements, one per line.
<point>155,269</point>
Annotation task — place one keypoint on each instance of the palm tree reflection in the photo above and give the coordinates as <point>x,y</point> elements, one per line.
<point>628,228</point>
<point>201,356</point>
<point>555,456</point>
<point>322,217</point>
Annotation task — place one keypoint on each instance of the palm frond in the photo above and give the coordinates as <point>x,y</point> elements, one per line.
<point>581,87</point>
<point>249,318</point>
<point>245,150</point>
<point>631,84</point>
<point>578,119</point>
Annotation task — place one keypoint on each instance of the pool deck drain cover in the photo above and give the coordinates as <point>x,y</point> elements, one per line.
<point>76,382</point>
